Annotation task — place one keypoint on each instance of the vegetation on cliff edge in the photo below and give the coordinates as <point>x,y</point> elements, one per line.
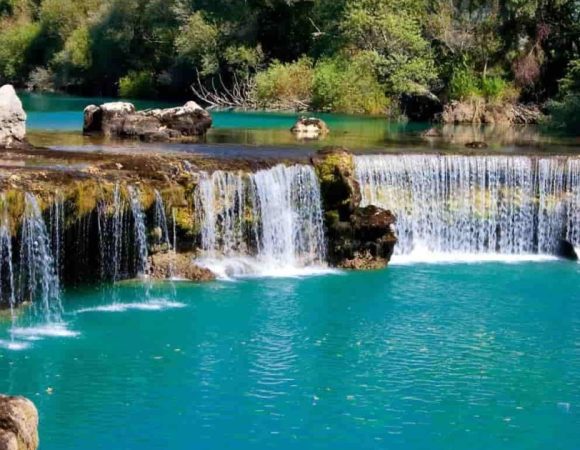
<point>356,56</point>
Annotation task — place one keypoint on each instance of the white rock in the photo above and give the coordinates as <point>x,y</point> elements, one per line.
<point>12,118</point>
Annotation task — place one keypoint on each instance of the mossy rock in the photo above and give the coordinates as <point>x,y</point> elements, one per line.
<point>340,191</point>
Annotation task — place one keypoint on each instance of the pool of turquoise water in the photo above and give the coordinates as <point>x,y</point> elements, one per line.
<point>462,356</point>
<point>62,117</point>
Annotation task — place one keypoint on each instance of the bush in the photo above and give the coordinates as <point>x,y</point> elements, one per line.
<point>16,43</point>
<point>285,86</point>
<point>565,112</point>
<point>348,86</point>
<point>137,85</point>
<point>564,115</point>
<point>493,88</point>
<point>464,84</point>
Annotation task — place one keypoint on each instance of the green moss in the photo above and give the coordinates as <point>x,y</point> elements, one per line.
<point>333,163</point>
<point>185,222</point>
<point>83,198</point>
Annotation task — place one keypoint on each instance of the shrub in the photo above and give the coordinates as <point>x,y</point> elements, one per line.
<point>16,43</point>
<point>137,85</point>
<point>285,86</point>
<point>464,84</point>
<point>564,115</point>
<point>348,87</point>
<point>565,112</point>
<point>494,88</point>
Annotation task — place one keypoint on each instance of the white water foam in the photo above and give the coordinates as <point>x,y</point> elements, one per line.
<point>247,267</point>
<point>14,345</point>
<point>35,333</point>
<point>421,255</point>
<point>152,305</point>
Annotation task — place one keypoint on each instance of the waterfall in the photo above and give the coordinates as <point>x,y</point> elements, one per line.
<point>57,230</point>
<point>38,280</point>
<point>573,217</point>
<point>7,293</point>
<point>140,232</point>
<point>274,215</point>
<point>160,222</point>
<point>475,204</point>
<point>287,200</point>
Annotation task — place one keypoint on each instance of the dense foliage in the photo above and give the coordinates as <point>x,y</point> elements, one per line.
<point>565,111</point>
<point>341,55</point>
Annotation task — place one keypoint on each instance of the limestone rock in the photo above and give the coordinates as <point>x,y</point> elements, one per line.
<point>478,111</point>
<point>361,238</point>
<point>12,118</point>
<point>310,128</point>
<point>18,424</point>
<point>339,188</point>
<point>121,120</point>
<point>180,265</point>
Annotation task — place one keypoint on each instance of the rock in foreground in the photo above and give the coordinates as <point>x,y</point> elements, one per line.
<point>121,120</point>
<point>18,424</point>
<point>12,118</point>
<point>310,128</point>
<point>178,265</point>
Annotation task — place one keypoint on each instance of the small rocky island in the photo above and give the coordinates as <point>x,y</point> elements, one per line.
<point>121,120</point>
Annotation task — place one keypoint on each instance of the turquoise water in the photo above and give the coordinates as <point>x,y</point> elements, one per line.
<point>464,356</point>
<point>62,117</point>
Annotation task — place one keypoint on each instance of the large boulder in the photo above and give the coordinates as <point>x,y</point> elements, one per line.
<point>18,424</point>
<point>166,265</point>
<point>121,120</point>
<point>358,237</point>
<point>310,128</point>
<point>12,118</point>
<point>366,241</point>
<point>339,188</point>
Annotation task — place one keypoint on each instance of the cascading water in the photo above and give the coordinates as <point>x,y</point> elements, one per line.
<point>57,230</point>
<point>573,217</point>
<point>160,222</point>
<point>7,292</point>
<point>287,201</point>
<point>273,215</point>
<point>140,232</point>
<point>474,205</point>
<point>38,281</point>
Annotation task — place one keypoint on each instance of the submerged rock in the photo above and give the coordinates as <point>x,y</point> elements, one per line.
<point>478,111</point>
<point>18,424</point>
<point>121,120</point>
<point>476,145</point>
<point>178,265</point>
<point>310,128</point>
<point>12,118</point>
